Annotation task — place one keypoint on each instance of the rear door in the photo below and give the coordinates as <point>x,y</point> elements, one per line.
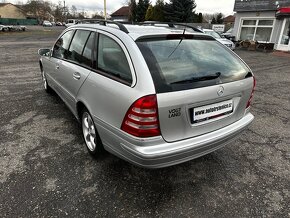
<point>201,86</point>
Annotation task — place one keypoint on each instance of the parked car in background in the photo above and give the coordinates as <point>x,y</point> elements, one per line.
<point>4,28</point>
<point>12,28</point>
<point>229,35</point>
<point>47,23</point>
<point>154,96</point>
<point>219,38</point>
<point>59,24</point>
<point>70,22</point>
<point>19,28</point>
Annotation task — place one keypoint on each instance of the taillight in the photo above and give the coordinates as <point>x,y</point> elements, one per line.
<point>252,93</point>
<point>141,119</point>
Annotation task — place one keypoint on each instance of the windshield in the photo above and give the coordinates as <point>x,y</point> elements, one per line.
<point>179,64</point>
<point>213,34</point>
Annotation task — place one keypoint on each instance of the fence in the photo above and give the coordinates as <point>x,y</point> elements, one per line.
<point>10,21</point>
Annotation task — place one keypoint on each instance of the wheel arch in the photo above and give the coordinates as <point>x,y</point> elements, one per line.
<point>80,106</point>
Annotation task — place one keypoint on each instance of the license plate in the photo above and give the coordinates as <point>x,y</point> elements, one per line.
<point>212,111</point>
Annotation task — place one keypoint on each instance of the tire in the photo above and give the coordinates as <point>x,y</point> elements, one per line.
<point>44,82</point>
<point>91,137</point>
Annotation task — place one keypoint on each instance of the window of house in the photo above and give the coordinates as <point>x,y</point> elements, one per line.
<point>257,29</point>
<point>286,33</point>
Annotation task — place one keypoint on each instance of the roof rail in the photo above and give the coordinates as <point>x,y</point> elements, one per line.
<point>170,24</point>
<point>104,23</point>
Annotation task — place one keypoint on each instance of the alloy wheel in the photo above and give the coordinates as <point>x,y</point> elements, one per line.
<point>89,131</point>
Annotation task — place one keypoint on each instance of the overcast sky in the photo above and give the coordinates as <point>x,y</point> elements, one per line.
<point>204,6</point>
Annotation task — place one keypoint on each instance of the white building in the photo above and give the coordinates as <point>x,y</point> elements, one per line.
<point>263,21</point>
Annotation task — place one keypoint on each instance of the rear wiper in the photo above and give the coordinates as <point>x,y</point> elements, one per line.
<point>181,39</point>
<point>197,79</point>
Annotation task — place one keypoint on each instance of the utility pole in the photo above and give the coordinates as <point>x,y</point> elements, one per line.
<point>105,9</point>
<point>64,10</point>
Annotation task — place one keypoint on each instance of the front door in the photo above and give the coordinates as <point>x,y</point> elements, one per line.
<point>75,66</point>
<point>284,40</point>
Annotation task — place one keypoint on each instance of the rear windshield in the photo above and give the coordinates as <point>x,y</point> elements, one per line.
<point>186,63</point>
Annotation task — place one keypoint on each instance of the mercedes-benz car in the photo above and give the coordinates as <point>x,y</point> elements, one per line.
<point>152,95</point>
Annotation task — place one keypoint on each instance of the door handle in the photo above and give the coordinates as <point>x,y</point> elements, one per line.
<point>57,67</point>
<point>76,76</point>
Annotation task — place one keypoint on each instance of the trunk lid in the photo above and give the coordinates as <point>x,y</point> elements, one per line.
<point>180,113</point>
<point>201,86</point>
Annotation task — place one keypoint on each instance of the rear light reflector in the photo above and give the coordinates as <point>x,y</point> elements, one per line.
<point>141,119</point>
<point>252,93</point>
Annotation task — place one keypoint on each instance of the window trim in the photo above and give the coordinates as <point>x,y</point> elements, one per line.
<point>93,31</point>
<point>93,67</point>
<point>128,57</point>
<point>241,25</point>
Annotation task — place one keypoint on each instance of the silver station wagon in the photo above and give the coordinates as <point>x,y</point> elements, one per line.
<point>152,95</point>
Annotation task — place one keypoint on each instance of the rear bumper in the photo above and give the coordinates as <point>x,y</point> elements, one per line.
<point>157,153</point>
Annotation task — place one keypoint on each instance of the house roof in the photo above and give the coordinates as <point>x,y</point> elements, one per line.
<point>123,11</point>
<point>17,6</point>
<point>4,4</point>
<point>229,19</point>
<point>261,5</point>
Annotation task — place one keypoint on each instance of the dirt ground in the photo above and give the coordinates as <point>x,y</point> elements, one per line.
<point>45,170</point>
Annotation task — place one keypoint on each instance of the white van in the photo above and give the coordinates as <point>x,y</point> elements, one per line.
<point>70,22</point>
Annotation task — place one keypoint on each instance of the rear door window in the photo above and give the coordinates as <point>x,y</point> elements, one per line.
<point>60,48</point>
<point>182,63</point>
<point>112,60</point>
<point>80,50</point>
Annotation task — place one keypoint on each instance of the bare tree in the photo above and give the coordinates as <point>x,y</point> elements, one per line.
<point>39,8</point>
<point>74,11</point>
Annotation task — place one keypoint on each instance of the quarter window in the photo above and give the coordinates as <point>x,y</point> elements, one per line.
<point>60,48</point>
<point>112,59</point>
<point>258,29</point>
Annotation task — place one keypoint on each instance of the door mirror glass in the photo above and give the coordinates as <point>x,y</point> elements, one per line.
<point>44,52</point>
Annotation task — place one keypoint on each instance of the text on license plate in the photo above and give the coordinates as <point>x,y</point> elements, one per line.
<point>212,111</point>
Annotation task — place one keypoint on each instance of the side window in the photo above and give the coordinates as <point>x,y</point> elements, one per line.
<point>112,59</point>
<point>77,46</point>
<point>87,53</point>
<point>61,45</point>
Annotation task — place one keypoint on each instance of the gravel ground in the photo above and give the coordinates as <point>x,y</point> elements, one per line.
<point>45,170</point>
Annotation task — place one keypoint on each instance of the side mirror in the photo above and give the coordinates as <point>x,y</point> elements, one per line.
<point>44,52</point>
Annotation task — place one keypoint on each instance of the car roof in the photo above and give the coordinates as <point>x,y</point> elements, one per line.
<point>137,31</point>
